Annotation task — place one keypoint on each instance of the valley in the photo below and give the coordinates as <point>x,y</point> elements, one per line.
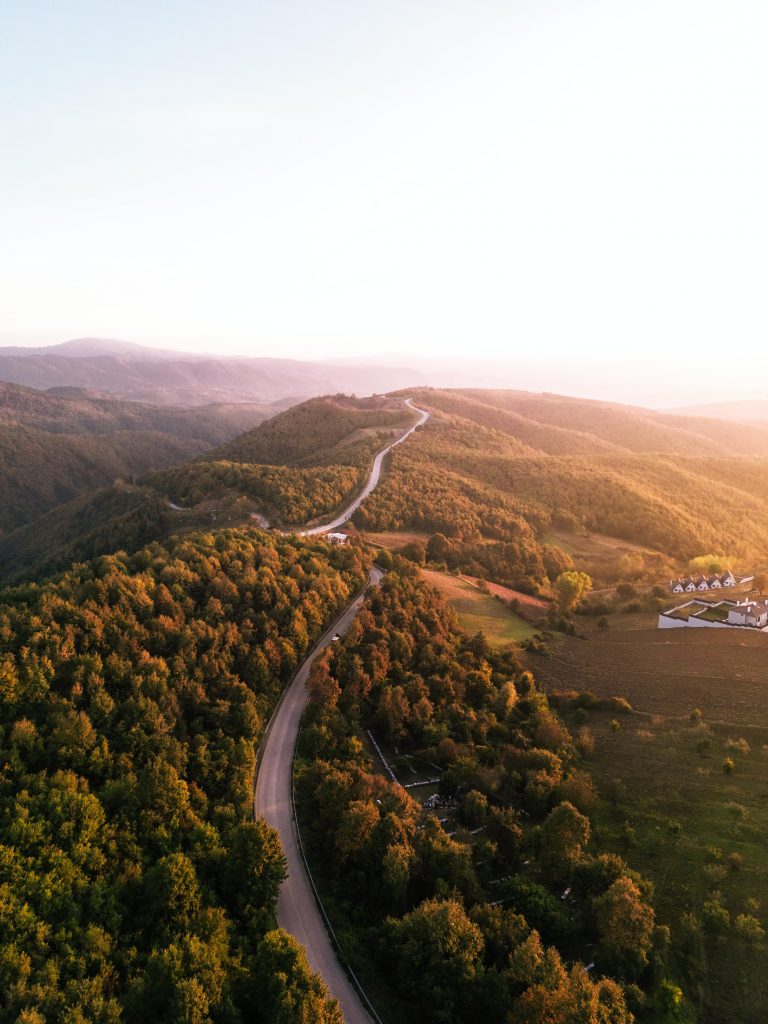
<point>459,660</point>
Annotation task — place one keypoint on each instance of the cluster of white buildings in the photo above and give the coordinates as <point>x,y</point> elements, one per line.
<point>746,614</point>
<point>691,584</point>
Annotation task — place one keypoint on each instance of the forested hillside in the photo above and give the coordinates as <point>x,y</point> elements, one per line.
<point>498,905</point>
<point>72,411</point>
<point>134,884</point>
<point>618,426</point>
<point>53,448</point>
<point>300,465</point>
<point>308,432</point>
<point>103,521</point>
<point>496,473</point>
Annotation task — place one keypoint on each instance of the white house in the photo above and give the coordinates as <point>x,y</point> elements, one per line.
<point>721,614</point>
<point>749,613</point>
<point>690,585</point>
<point>338,538</point>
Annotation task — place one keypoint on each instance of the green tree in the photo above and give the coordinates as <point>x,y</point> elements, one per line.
<point>625,922</point>
<point>564,834</point>
<point>571,588</point>
<point>438,950</point>
<point>286,989</point>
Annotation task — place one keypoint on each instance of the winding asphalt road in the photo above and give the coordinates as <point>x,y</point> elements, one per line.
<point>297,911</point>
<point>373,479</point>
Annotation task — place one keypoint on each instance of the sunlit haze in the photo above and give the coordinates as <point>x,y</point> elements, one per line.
<point>575,190</point>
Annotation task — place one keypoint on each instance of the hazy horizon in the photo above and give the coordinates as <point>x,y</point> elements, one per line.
<point>573,193</point>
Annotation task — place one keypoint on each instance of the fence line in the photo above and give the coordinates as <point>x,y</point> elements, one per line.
<point>383,759</point>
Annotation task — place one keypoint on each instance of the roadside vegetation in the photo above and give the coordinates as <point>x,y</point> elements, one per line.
<point>134,884</point>
<point>497,904</point>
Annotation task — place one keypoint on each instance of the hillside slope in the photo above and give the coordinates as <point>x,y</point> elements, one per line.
<point>54,448</point>
<point>304,463</point>
<point>677,487</point>
<point>500,475</point>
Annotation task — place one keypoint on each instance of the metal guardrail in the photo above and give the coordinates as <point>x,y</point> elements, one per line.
<point>302,853</point>
<point>326,920</point>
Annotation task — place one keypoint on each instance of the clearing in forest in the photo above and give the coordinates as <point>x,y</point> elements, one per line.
<point>478,610</point>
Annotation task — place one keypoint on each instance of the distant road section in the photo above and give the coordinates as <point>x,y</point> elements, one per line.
<point>297,911</point>
<point>373,479</point>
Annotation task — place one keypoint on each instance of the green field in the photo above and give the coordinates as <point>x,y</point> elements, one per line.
<point>478,610</point>
<point>668,806</point>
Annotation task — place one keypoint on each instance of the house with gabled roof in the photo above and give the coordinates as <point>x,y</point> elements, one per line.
<point>691,585</point>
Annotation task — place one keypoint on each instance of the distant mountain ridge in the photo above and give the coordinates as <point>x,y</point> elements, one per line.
<point>161,377</point>
<point>748,410</point>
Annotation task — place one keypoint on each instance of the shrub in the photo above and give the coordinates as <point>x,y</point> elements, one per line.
<point>741,746</point>
<point>587,699</point>
<point>585,742</point>
<point>716,917</point>
<point>729,765</point>
<point>715,874</point>
<point>618,704</point>
<point>749,928</point>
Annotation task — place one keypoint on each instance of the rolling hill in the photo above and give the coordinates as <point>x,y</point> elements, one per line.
<point>55,448</point>
<point>500,475</point>
<point>676,486</point>
<point>303,463</point>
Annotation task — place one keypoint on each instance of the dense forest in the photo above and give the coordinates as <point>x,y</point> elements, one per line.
<point>306,433</point>
<point>497,906</point>
<point>54,448</point>
<point>110,519</point>
<point>134,883</point>
<point>330,444</point>
<point>473,475</point>
<point>282,493</point>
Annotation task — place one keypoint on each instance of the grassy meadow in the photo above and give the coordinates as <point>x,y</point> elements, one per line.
<point>670,805</point>
<point>480,610</point>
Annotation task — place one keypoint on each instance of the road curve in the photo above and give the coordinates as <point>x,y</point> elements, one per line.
<point>373,479</point>
<point>297,911</point>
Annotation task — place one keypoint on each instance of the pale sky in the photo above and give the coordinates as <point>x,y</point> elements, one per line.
<point>576,181</point>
